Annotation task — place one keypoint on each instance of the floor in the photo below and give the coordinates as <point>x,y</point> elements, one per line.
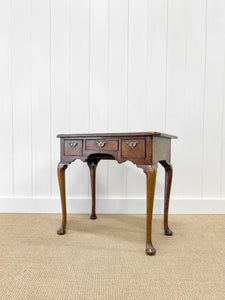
<point>105,258</point>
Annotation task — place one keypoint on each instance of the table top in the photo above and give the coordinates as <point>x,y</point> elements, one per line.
<point>121,134</point>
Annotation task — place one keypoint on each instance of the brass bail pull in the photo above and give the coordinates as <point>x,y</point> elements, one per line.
<point>100,144</point>
<point>73,144</point>
<point>133,144</point>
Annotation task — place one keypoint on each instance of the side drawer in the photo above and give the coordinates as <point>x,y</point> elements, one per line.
<point>111,145</point>
<point>134,148</point>
<point>73,147</point>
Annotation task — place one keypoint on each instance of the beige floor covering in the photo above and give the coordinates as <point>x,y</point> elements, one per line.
<point>105,258</point>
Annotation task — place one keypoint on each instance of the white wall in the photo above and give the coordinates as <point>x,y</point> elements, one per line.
<point>76,66</point>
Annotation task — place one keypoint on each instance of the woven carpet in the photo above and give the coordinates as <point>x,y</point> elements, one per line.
<point>105,258</point>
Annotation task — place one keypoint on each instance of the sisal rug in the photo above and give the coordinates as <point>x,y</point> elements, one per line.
<point>105,258</point>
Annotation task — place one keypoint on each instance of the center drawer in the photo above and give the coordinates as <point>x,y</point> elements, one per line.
<point>111,145</point>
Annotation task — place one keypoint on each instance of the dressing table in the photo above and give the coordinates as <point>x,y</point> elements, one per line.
<point>144,149</point>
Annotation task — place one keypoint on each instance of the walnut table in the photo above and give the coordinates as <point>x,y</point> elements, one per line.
<point>145,149</point>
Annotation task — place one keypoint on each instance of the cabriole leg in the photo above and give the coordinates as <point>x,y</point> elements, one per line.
<point>168,180</point>
<point>150,171</point>
<point>92,167</point>
<point>61,178</point>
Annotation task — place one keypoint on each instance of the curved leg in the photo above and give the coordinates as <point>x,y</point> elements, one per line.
<point>61,178</point>
<point>150,171</point>
<point>92,167</point>
<point>168,180</point>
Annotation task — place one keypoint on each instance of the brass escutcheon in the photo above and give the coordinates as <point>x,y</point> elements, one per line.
<point>73,144</point>
<point>132,145</point>
<point>100,144</point>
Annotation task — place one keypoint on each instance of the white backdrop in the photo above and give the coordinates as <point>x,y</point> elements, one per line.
<point>76,66</point>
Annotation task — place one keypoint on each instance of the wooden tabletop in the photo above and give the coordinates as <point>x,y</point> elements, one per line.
<point>122,134</point>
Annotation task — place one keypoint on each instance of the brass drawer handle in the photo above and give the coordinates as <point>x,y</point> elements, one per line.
<point>73,145</point>
<point>132,145</point>
<point>100,144</point>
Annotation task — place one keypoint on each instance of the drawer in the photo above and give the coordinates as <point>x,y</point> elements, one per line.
<point>133,148</point>
<point>73,147</point>
<point>111,145</point>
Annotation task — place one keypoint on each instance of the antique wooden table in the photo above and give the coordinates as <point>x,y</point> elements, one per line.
<point>145,149</point>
